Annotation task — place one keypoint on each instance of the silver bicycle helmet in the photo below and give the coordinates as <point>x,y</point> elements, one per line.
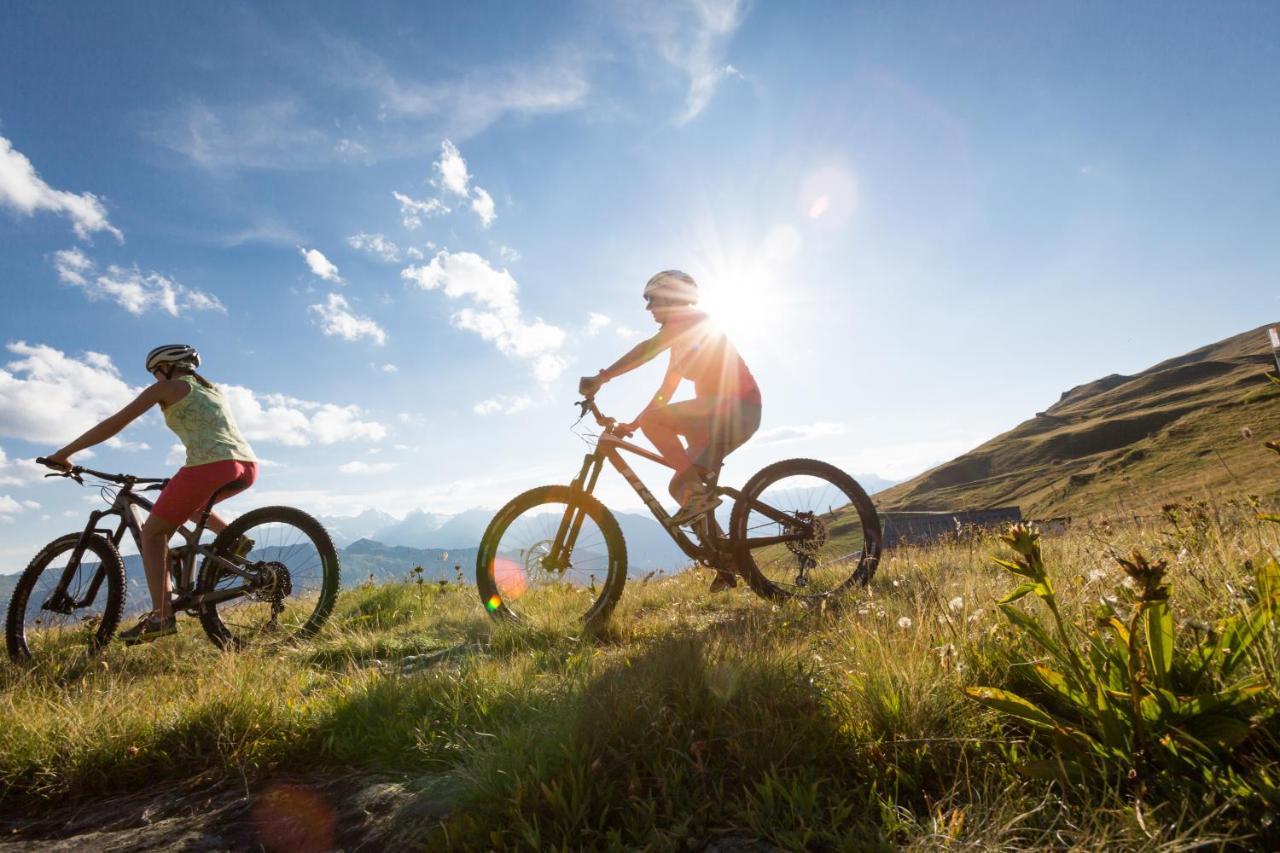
<point>674,285</point>
<point>173,354</point>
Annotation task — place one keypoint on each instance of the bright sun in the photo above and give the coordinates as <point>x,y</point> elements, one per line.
<point>744,290</point>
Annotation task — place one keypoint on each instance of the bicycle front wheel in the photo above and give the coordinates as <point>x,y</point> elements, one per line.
<point>549,552</point>
<point>46,617</point>
<point>824,529</point>
<point>285,585</point>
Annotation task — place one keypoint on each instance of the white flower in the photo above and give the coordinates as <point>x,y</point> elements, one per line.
<point>956,604</point>
<point>904,622</point>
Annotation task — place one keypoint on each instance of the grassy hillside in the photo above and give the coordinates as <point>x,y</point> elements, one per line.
<point>697,720</point>
<point>1123,443</point>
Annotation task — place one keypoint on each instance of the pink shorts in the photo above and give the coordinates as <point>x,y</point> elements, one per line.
<point>189,490</point>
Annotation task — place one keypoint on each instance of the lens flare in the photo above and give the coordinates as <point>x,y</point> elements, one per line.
<point>509,577</point>
<point>493,603</point>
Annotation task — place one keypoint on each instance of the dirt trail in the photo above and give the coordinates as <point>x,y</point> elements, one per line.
<point>346,813</point>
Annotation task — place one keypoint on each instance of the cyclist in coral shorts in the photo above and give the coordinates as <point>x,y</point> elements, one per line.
<point>219,460</point>
<point>724,412</point>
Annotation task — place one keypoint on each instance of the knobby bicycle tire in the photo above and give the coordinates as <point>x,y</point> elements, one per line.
<point>108,557</point>
<point>210,573</point>
<point>616,557</point>
<point>864,510</point>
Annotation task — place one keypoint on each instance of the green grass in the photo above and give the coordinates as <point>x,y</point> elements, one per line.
<point>692,718</point>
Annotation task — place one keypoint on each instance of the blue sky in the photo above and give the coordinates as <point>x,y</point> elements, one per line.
<point>400,232</point>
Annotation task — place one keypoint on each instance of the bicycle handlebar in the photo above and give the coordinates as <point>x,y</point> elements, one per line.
<point>608,424</point>
<point>75,472</point>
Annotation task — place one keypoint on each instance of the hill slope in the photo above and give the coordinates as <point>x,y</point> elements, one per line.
<point>1128,442</point>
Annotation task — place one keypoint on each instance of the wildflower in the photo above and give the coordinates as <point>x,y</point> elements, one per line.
<point>1097,575</point>
<point>904,623</point>
<point>956,604</point>
<point>976,615</point>
<point>1246,433</point>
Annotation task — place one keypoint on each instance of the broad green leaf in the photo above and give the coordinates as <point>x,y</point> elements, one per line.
<point>1030,625</point>
<point>1238,696</point>
<point>1053,770</point>
<point>1012,704</point>
<point>1016,568</point>
<point>1115,726</point>
<point>1159,624</point>
<point>1023,589</point>
<point>1268,573</point>
<point>1218,731</point>
<point>1152,710</point>
<point>1241,632</point>
<point>1058,684</point>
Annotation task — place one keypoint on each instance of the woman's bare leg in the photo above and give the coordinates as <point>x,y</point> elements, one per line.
<point>153,541</point>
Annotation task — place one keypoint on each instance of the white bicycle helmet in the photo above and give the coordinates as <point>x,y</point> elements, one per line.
<point>674,285</point>
<point>173,354</point>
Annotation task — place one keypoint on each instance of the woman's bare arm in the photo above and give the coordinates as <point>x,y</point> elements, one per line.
<point>160,392</point>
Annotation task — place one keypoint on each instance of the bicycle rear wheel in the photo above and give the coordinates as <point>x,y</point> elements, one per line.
<point>40,624</point>
<point>522,575</point>
<point>842,544</point>
<point>292,583</point>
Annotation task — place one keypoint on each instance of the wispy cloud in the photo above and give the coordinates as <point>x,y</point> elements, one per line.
<point>361,467</point>
<point>805,432</point>
<point>23,190</point>
<point>375,244</point>
<point>596,323</point>
<point>336,318</point>
<point>281,133</point>
<point>497,316</point>
<point>320,266</point>
<point>693,37</point>
<point>412,210</point>
<point>503,404</point>
<point>130,288</point>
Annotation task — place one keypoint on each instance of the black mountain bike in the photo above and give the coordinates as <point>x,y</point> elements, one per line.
<point>798,529</point>
<point>73,592</point>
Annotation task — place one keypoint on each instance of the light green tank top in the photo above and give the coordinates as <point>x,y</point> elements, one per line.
<point>203,422</point>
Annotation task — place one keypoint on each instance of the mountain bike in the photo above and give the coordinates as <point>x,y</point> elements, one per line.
<point>278,582</point>
<point>799,529</point>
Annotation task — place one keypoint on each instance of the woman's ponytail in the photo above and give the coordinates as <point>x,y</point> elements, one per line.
<point>205,382</point>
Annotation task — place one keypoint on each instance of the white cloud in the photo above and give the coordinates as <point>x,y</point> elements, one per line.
<point>693,37</point>
<point>375,244</point>
<point>452,169</point>
<point>130,288</point>
<point>806,432</point>
<point>358,467</point>
<point>389,368</point>
<point>503,404</point>
<point>336,318</point>
<point>625,332</point>
<point>412,210</point>
<point>320,266</point>
<point>48,397</point>
<point>23,190</point>
<point>19,472</point>
<point>595,323</point>
<point>415,253</point>
<point>497,317</point>
<point>482,204</point>
<point>177,454</point>
<point>287,420</point>
<point>508,254</point>
<point>451,174</point>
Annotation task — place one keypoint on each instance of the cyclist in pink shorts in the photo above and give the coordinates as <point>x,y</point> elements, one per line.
<point>219,462</point>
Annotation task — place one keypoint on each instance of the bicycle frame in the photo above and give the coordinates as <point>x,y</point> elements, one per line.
<point>129,507</point>
<point>608,448</point>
